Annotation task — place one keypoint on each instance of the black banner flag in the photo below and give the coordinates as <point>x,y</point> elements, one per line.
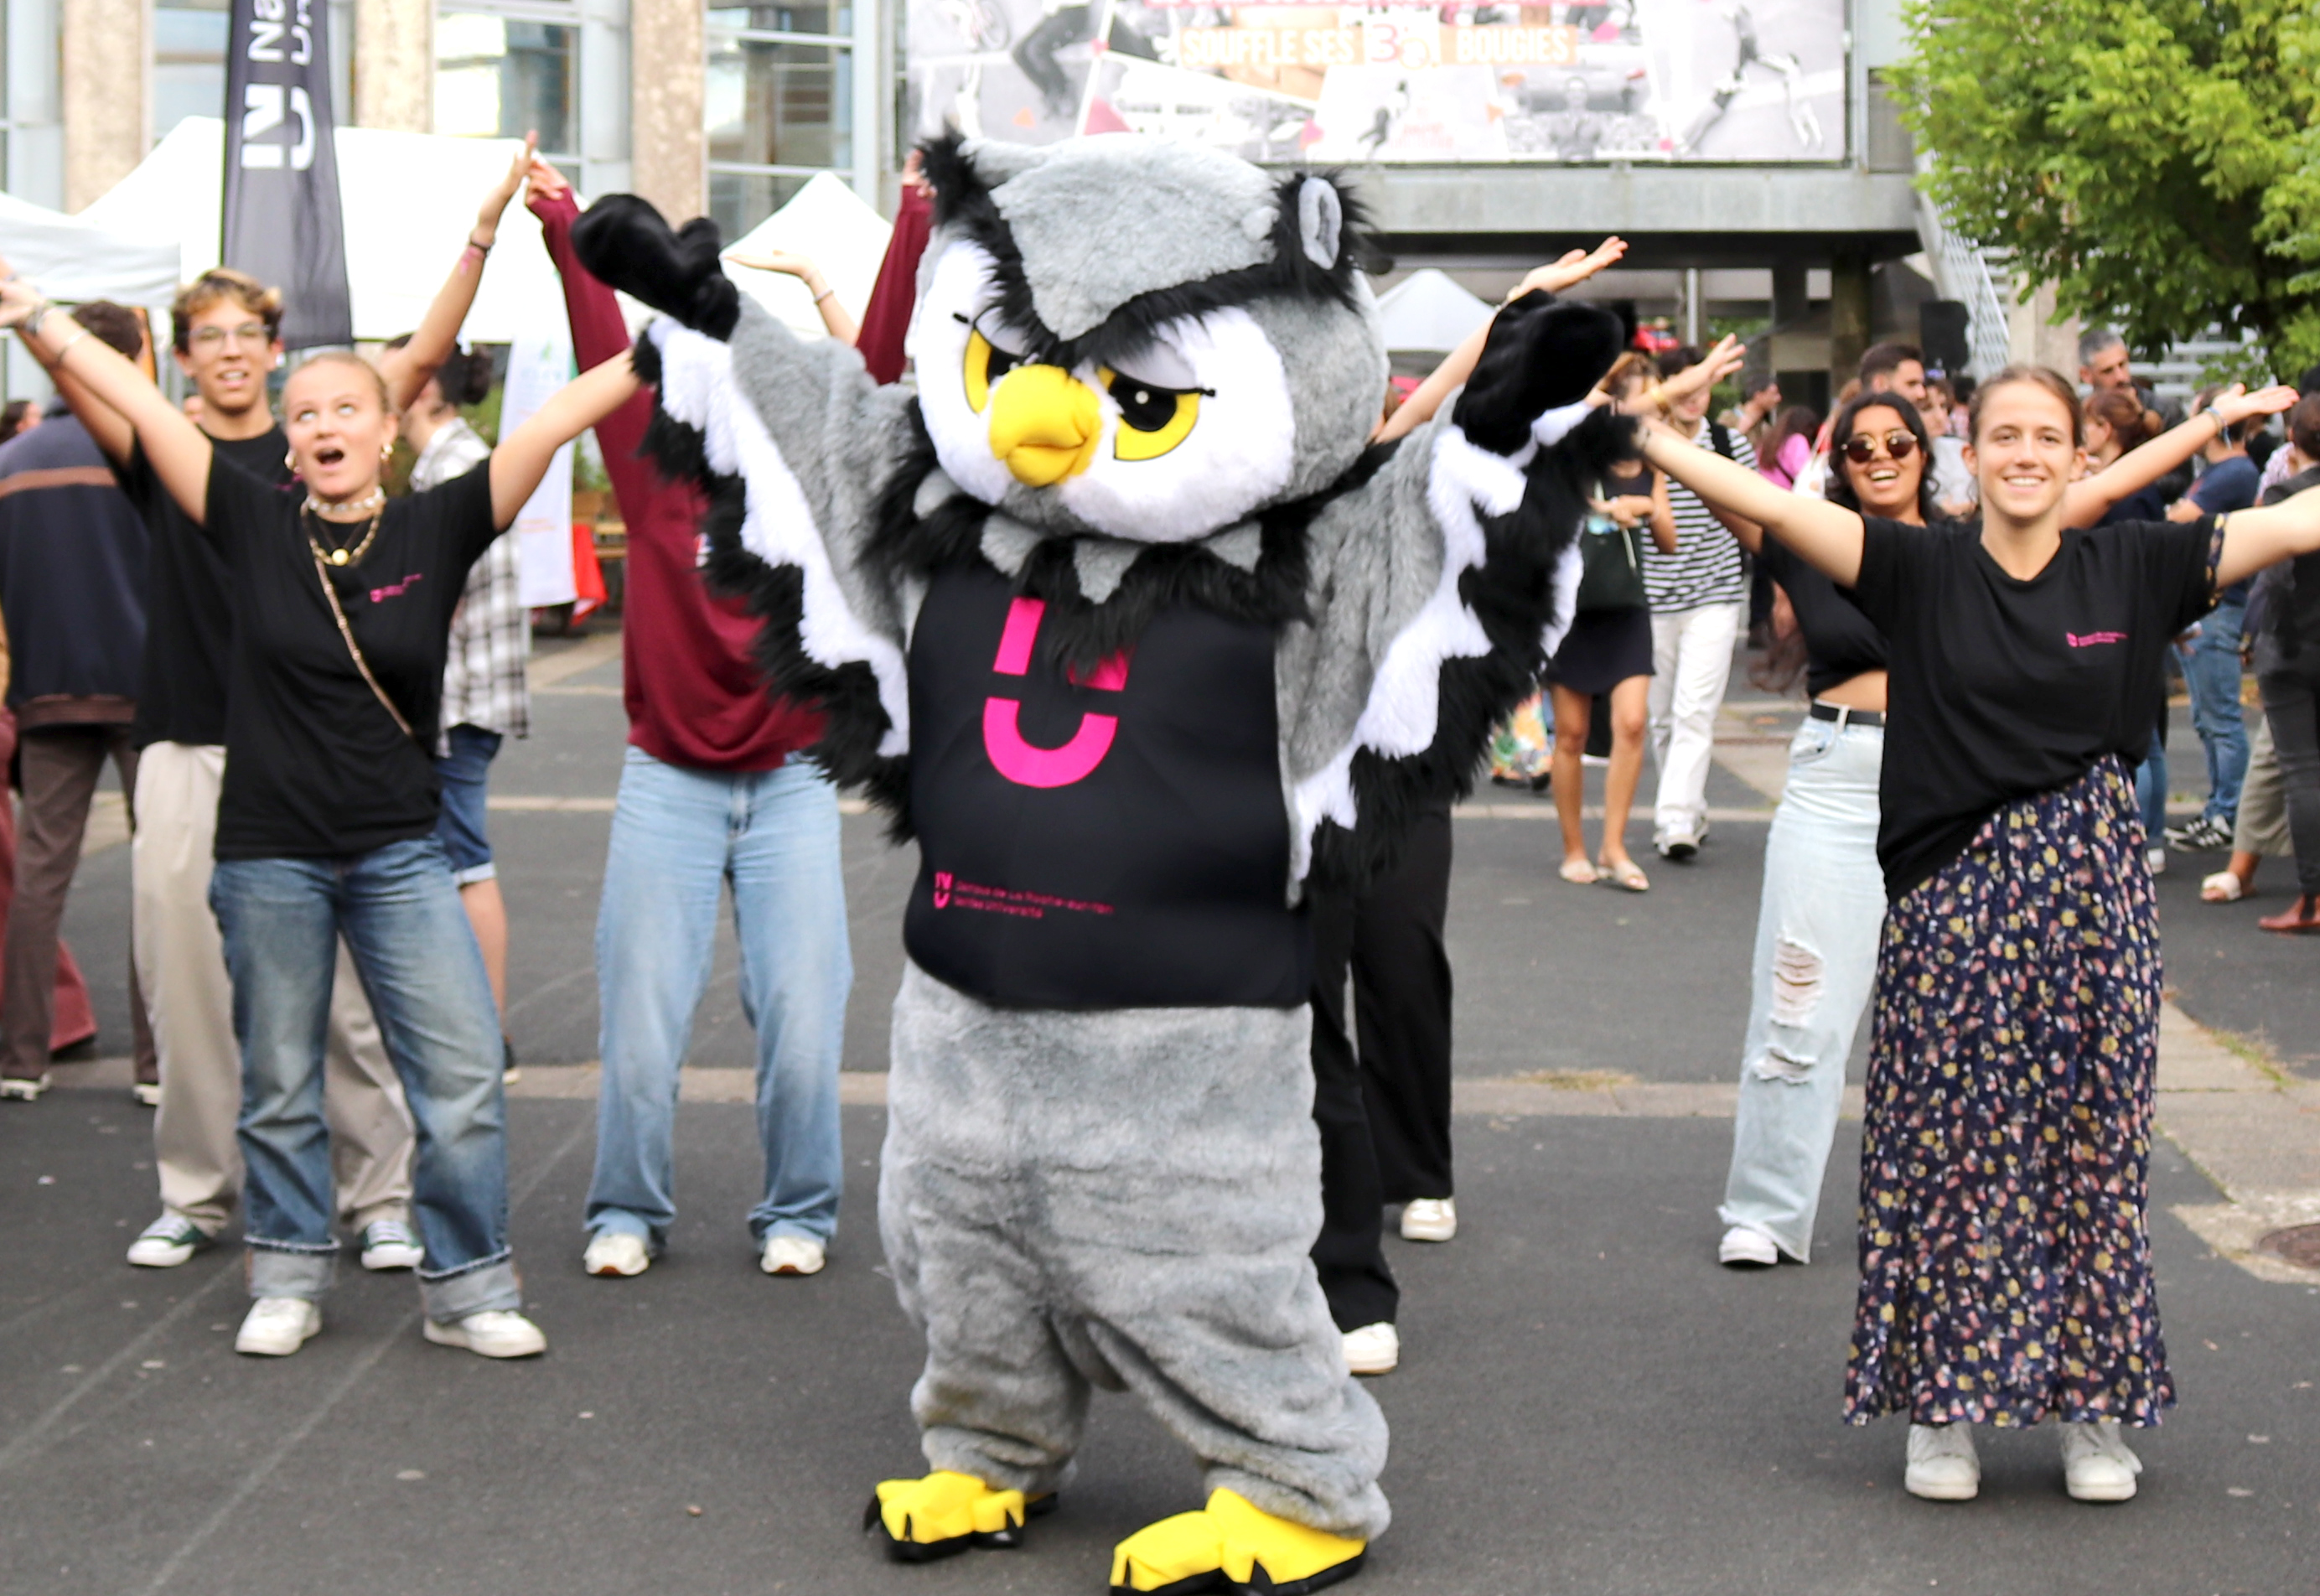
<point>282,221</point>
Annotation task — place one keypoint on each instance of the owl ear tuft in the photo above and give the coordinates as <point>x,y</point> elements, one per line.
<point>1320,221</point>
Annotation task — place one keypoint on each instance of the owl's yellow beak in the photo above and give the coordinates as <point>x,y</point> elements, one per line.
<point>1044,424</point>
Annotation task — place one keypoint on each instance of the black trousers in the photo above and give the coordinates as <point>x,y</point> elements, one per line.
<point>2291,706</point>
<point>1384,1117</point>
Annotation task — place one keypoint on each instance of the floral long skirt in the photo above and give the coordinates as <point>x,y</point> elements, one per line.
<point>2005,1175</point>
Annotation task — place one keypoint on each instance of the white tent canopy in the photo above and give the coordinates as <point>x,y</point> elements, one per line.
<point>1426,313</point>
<point>845,238</point>
<point>409,201</point>
<point>77,259</point>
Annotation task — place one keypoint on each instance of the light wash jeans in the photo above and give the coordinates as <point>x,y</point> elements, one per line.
<point>395,906</point>
<point>2211,668</point>
<point>1815,967</point>
<point>679,837</point>
<point>1691,661</point>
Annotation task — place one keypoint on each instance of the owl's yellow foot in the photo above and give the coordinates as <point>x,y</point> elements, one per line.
<point>948,1512</point>
<point>1231,1545</point>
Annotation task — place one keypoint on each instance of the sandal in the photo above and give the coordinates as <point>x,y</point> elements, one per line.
<point>2223,887</point>
<point>1627,875</point>
<point>1580,873</point>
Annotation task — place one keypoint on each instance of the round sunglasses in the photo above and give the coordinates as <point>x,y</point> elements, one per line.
<point>1898,445</point>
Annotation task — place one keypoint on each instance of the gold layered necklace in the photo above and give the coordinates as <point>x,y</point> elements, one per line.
<point>344,556</point>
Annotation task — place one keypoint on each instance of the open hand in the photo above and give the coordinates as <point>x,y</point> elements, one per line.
<point>786,261</point>
<point>1720,362</point>
<point>487,214</point>
<point>1575,266</point>
<point>2235,404</point>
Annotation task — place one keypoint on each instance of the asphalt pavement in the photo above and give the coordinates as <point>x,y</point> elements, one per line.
<point>1587,1402</point>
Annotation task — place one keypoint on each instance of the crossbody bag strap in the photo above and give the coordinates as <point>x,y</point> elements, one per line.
<point>330,594</point>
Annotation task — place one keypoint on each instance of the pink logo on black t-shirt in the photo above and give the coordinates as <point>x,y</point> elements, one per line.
<point>395,589</point>
<point>2094,639</point>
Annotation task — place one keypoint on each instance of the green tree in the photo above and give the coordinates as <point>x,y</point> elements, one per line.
<point>2157,161</point>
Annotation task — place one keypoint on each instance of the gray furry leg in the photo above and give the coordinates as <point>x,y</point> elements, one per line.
<point>1161,1169</point>
<point>998,1399</point>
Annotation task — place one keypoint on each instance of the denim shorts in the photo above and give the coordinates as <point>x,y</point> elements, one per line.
<point>463,774</point>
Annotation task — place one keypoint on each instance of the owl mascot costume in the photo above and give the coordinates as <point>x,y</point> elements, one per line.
<point>1125,620</point>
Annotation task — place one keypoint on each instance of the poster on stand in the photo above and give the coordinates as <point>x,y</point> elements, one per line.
<point>1638,81</point>
<point>539,364</point>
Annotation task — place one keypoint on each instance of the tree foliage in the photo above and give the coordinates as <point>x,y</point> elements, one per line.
<point>2157,161</point>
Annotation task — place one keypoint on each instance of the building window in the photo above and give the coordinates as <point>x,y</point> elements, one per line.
<point>502,73</point>
<point>189,61</point>
<point>778,104</point>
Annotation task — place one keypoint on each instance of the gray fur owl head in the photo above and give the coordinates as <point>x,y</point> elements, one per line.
<point>1146,340</point>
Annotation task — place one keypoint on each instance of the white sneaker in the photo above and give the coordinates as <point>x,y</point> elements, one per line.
<point>277,1327</point>
<point>1374,1349</point>
<point>148,1093</point>
<point>2156,857</point>
<point>616,1252</point>
<point>12,1090</point>
<point>495,1332</point>
<point>792,1254</point>
<point>1677,846</point>
<point>2096,1465</point>
<point>1943,1466</point>
<point>1429,1219</point>
<point>388,1244</point>
<point>167,1242</point>
<point>1744,1246</point>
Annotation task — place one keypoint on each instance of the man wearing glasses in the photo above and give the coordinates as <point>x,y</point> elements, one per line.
<point>227,340</point>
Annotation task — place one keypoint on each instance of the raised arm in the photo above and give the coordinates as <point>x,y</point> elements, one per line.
<point>407,369</point>
<point>179,450</point>
<point>1824,536</point>
<point>524,454</point>
<point>2254,539</point>
<point>2091,498</point>
<point>1445,380</point>
<point>840,325</point>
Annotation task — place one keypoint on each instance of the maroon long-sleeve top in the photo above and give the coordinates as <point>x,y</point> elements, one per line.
<point>695,693</point>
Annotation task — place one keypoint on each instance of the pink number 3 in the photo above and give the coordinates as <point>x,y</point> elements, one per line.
<point>1002,737</point>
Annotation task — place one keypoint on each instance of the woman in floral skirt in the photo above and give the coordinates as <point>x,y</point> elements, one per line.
<point>2004,1239</point>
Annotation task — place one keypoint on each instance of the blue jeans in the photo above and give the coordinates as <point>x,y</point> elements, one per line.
<point>2151,792</point>
<point>465,774</point>
<point>2211,668</point>
<point>1816,936</point>
<point>679,837</point>
<point>281,920</point>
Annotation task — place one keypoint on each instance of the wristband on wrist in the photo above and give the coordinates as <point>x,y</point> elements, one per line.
<point>63,348</point>
<point>482,247</point>
<point>825,294</point>
<point>31,324</point>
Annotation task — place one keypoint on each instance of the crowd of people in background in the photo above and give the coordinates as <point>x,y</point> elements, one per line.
<point>200,596</point>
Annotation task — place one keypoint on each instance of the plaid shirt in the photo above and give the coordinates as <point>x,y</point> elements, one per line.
<point>483,682</point>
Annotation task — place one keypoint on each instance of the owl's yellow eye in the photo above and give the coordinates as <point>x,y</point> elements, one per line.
<point>986,363</point>
<point>1152,419</point>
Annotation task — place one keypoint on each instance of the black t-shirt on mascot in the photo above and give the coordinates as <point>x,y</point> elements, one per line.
<point>1118,840</point>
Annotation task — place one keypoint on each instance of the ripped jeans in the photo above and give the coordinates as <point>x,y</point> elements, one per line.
<point>1816,965</point>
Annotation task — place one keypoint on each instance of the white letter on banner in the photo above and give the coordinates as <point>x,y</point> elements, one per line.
<point>262,114</point>
<point>265,42</point>
<point>302,154</point>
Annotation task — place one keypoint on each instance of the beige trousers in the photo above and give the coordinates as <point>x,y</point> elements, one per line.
<point>181,963</point>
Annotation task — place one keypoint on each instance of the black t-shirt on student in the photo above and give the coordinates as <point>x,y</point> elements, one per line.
<point>1840,642</point>
<point>314,764</point>
<point>189,599</point>
<point>2003,688</point>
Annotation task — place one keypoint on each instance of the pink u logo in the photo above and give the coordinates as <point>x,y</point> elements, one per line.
<point>1002,738</point>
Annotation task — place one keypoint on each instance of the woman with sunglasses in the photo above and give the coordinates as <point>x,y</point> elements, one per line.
<point>1824,896</point>
<point>2005,1245</point>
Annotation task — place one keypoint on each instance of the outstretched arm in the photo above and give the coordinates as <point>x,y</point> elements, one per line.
<point>2091,498</point>
<point>2254,539</point>
<point>1445,380</point>
<point>179,450</point>
<point>834,317</point>
<point>524,454</point>
<point>1824,536</point>
<point>110,429</point>
<point>407,369</point>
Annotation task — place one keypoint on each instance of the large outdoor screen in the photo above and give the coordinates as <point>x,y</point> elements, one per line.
<point>1633,81</point>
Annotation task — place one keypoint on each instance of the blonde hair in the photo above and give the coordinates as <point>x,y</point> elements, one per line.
<point>348,358</point>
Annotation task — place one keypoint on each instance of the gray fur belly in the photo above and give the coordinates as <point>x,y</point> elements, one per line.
<point>1169,1130</point>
